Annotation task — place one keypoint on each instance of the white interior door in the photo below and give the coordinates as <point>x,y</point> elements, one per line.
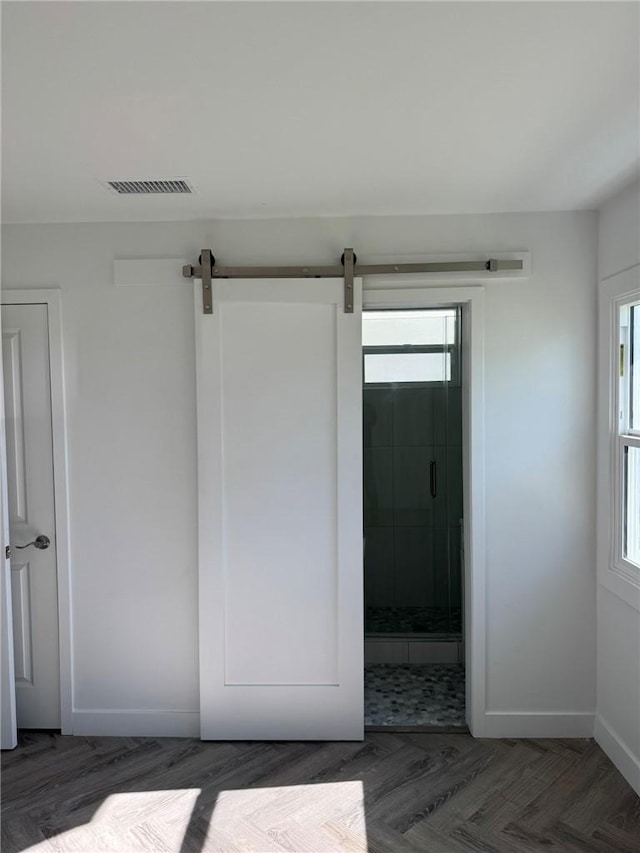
<point>280,511</point>
<point>27,399</point>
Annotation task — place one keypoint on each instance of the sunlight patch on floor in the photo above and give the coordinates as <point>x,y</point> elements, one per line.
<point>133,821</point>
<point>323,817</point>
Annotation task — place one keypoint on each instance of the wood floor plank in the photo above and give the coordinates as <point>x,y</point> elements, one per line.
<point>495,813</point>
<point>425,837</point>
<point>473,838</point>
<point>573,841</point>
<point>509,762</point>
<point>424,790</point>
<point>570,787</point>
<point>619,840</point>
<point>626,815</point>
<point>599,803</point>
<point>521,839</point>
<point>345,838</point>
<point>384,839</point>
<point>20,833</point>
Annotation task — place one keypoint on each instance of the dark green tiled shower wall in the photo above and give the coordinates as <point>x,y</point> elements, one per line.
<point>412,540</point>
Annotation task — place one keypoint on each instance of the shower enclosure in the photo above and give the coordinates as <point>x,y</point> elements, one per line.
<point>412,422</point>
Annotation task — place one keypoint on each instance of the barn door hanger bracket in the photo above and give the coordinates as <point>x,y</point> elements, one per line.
<point>205,271</point>
<point>347,269</point>
<point>348,261</point>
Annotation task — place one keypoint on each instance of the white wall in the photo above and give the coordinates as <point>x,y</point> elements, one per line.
<point>131,397</point>
<point>618,667</point>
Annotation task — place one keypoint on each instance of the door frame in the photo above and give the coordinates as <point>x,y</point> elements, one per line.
<point>8,729</point>
<point>53,300</point>
<point>394,293</point>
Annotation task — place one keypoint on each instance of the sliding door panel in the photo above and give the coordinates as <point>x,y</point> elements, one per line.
<point>280,519</point>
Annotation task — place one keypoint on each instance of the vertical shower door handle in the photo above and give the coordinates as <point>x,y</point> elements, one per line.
<point>433,481</point>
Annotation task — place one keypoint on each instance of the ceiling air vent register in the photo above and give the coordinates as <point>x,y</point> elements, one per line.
<point>171,186</point>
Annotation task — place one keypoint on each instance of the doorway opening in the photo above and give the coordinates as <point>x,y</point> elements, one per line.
<point>413,518</point>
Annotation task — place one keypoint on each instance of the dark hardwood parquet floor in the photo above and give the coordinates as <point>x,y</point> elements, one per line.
<point>392,793</point>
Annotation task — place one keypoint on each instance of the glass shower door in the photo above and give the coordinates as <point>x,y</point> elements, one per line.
<point>412,472</point>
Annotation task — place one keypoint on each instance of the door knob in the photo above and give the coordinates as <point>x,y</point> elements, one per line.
<point>41,542</point>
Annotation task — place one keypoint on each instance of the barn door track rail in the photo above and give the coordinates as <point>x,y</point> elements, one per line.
<point>347,269</point>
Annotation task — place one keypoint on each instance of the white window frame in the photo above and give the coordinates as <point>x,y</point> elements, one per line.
<point>617,574</point>
<point>626,437</point>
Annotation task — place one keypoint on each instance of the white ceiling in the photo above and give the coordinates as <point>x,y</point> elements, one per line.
<point>303,109</point>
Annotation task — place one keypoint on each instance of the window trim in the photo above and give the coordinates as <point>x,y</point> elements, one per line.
<point>622,437</point>
<point>618,575</point>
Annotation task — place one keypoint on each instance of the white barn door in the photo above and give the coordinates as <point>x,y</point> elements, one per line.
<point>280,511</point>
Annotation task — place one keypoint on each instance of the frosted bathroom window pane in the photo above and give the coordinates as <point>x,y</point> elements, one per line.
<point>383,368</point>
<point>413,328</point>
<point>630,369</point>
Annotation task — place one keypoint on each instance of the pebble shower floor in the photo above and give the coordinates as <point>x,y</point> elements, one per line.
<point>414,695</point>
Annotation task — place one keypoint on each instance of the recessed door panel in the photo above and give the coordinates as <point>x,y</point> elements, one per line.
<point>22,629</point>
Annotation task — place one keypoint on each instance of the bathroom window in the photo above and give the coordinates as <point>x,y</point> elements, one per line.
<point>627,450</point>
<point>410,347</point>
<point>382,368</point>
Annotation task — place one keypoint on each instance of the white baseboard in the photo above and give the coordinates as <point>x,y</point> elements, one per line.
<point>616,749</point>
<point>536,724</point>
<point>137,723</point>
